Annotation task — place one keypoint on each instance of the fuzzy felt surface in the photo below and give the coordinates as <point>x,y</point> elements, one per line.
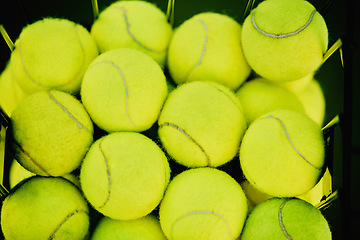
<point>52,132</point>
<point>145,228</point>
<point>203,203</point>
<point>124,90</point>
<point>282,153</point>
<point>284,40</point>
<point>281,218</point>
<point>11,94</point>
<point>201,124</point>
<point>259,96</point>
<point>133,24</point>
<point>207,47</point>
<point>45,208</point>
<point>124,175</point>
<point>52,53</point>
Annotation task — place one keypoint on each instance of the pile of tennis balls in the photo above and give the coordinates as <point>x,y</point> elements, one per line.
<point>82,104</point>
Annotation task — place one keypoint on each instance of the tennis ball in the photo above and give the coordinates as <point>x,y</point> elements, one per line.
<point>45,208</point>
<point>297,85</point>
<point>17,173</point>
<point>124,175</point>
<point>207,47</point>
<point>253,196</point>
<point>259,96</point>
<point>11,94</point>
<point>282,218</point>
<point>51,133</point>
<point>203,203</point>
<point>124,90</point>
<point>133,24</point>
<point>145,228</point>
<point>201,124</point>
<point>313,100</point>
<point>284,40</point>
<point>282,153</point>
<point>52,53</point>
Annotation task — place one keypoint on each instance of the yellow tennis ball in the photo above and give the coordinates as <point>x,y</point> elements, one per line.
<point>207,47</point>
<point>203,203</point>
<point>286,218</point>
<point>45,208</point>
<point>313,100</point>
<point>145,228</point>
<point>124,90</point>
<point>17,173</point>
<point>284,40</point>
<point>133,24</point>
<point>259,96</point>
<point>51,133</point>
<point>201,124</point>
<point>11,94</point>
<point>282,153</point>
<point>254,196</point>
<point>297,85</point>
<point>52,53</point>
<point>124,175</point>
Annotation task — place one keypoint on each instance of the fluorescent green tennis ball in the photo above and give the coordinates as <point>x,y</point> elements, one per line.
<point>207,47</point>
<point>201,124</point>
<point>124,175</point>
<point>124,90</point>
<point>313,100</point>
<point>45,208</point>
<point>17,173</point>
<point>282,153</point>
<point>297,85</point>
<point>284,40</point>
<point>203,203</point>
<point>52,54</point>
<point>133,24</point>
<point>11,94</point>
<point>145,228</point>
<point>51,133</point>
<point>259,96</point>
<point>282,218</point>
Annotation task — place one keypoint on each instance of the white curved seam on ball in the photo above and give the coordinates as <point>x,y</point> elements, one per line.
<point>189,137</point>
<point>62,223</point>
<point>31,159</point>
<point>203,50</point>
<point>108,174</point>
<point>202,212</point>
<point>128,25</point>
<point>290,141</point>
<point>25,70</point>
<point>232,100</point>
<point>272,35</point>
<point>125,85</point>
<point>78,123</point>
<point>282,226</point>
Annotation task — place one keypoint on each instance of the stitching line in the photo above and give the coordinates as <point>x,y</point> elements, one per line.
<point>203,48</point>
<point>281,220</point>
<point>289,139</point>
<point>78,123</point>
<point>108,173</point>
<point>202,212</point>
<point>167,124</point>
<point>128,25</point>
<point>281,35</point>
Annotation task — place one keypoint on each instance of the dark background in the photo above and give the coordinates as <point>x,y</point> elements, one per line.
<point>340,84</point>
